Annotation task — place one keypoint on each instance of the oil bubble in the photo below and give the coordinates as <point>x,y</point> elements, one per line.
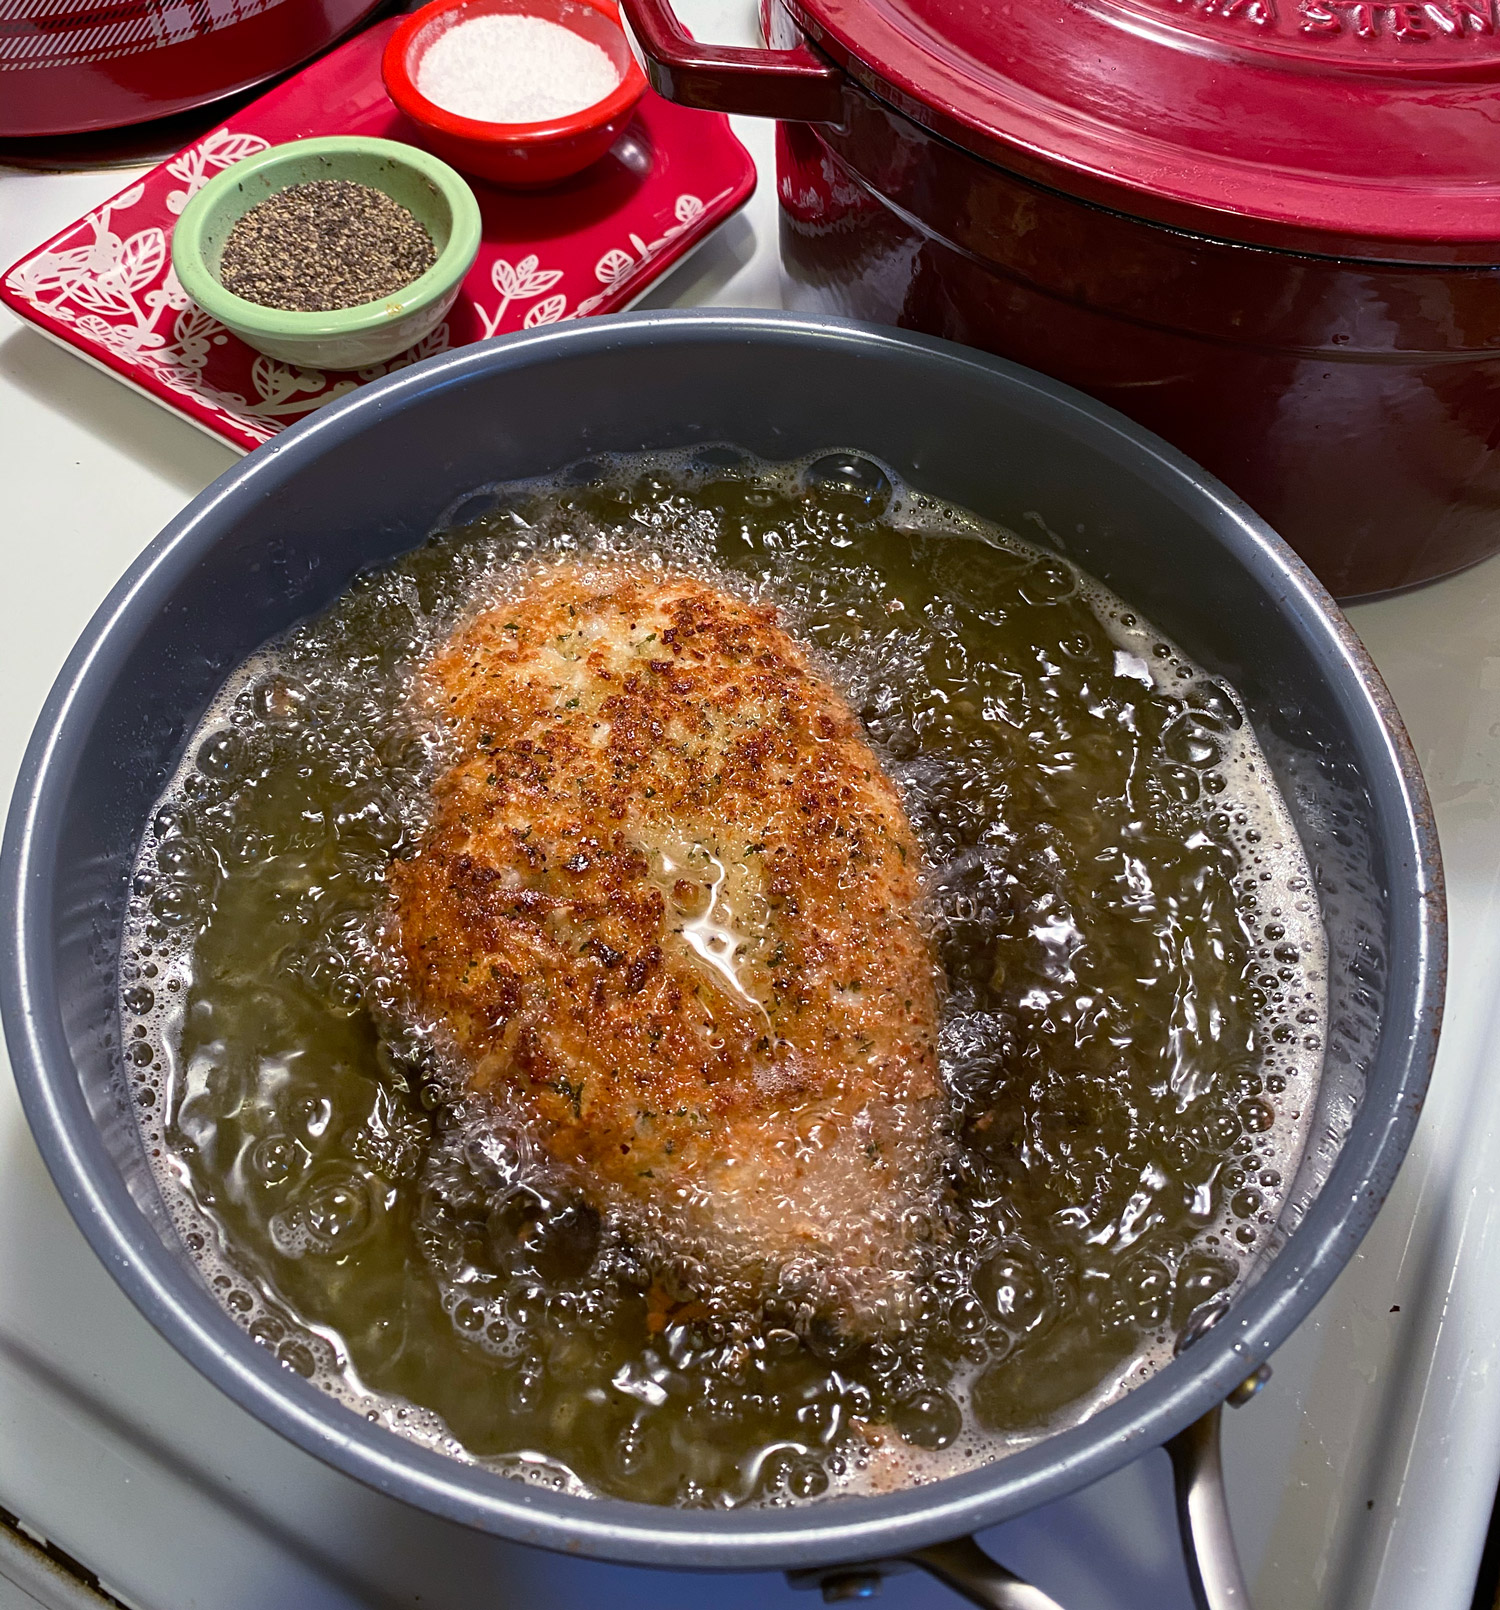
<point>1200,1277</point>
<point>526,1382</point>
<point>1222,1128</point>
<point>337,1214</point>
<point>1179,783</point>
<point>929,1418</point>
<point>1191,742</point>
<point>175,904</point>
<point>180,857</point>
<point>371,814</point>
<point>219,755</point>
<point>1047,582</point>
<point>526,1304</point>
<point>469,1315</point>
<point>276,1158</point>
<point>1243,1083</point>
<point>330,978</point>
<point>1149,1281</point>
<point>808,1480</point>
<point>721,459</point>
<point>859,480</point>
<point>630,1449</point>
<point>1218,702</point>
<point>279,700</point>
<point>298,1357</point>
<point>1257,1116</point>
<point>1014,1289</point>
<point>967,1316</point>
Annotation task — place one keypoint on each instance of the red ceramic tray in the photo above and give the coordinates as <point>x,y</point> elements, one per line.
<point>105,285</point>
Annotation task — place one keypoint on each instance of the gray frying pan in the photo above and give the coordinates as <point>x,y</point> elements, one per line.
<point>278,536</point>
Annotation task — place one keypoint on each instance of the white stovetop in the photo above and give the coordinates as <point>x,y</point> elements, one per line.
<point>1361,1478</point>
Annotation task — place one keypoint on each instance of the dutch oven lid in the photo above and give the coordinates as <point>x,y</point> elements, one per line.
<point>1336,126</point>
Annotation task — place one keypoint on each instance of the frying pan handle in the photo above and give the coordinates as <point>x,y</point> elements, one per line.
<point>1213,1564</point>
<point>799,85</point>
<point>963,1566</point>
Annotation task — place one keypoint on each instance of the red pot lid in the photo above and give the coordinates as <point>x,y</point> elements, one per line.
<point>1337,126</point>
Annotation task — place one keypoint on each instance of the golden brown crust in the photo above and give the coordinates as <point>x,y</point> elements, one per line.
<point>670,903</point>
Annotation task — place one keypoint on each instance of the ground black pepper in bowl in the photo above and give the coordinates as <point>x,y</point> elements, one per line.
<point>326,244</point>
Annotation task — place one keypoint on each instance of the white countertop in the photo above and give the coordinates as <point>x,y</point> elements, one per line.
<point>1361,1479</point>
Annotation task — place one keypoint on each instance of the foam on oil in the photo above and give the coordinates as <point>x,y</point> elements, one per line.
<point>1132,1039</point>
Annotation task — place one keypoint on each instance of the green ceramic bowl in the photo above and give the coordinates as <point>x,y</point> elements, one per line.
<point>353,337</point>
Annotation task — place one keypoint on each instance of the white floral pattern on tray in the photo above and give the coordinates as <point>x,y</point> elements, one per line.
<point>614,270</point>
<point>116,289</point>
<point>199,163</point>
<point>105,284</point>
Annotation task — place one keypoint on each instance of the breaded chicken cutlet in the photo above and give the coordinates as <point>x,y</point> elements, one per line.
<point>669,909</point>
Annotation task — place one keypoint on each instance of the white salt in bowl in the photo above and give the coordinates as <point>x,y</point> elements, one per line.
<point>519,154</point>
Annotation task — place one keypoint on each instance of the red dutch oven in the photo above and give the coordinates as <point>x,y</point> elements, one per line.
<point>72,66</point>
<point>1267,229</point>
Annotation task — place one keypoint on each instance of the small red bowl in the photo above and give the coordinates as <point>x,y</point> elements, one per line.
<point>520,154</point>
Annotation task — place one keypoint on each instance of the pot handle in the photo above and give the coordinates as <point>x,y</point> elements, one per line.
<point>798,85</point>
<point>1213,1564</point>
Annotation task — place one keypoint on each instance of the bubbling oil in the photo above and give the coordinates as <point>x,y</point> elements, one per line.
<point>1131,1041</point>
